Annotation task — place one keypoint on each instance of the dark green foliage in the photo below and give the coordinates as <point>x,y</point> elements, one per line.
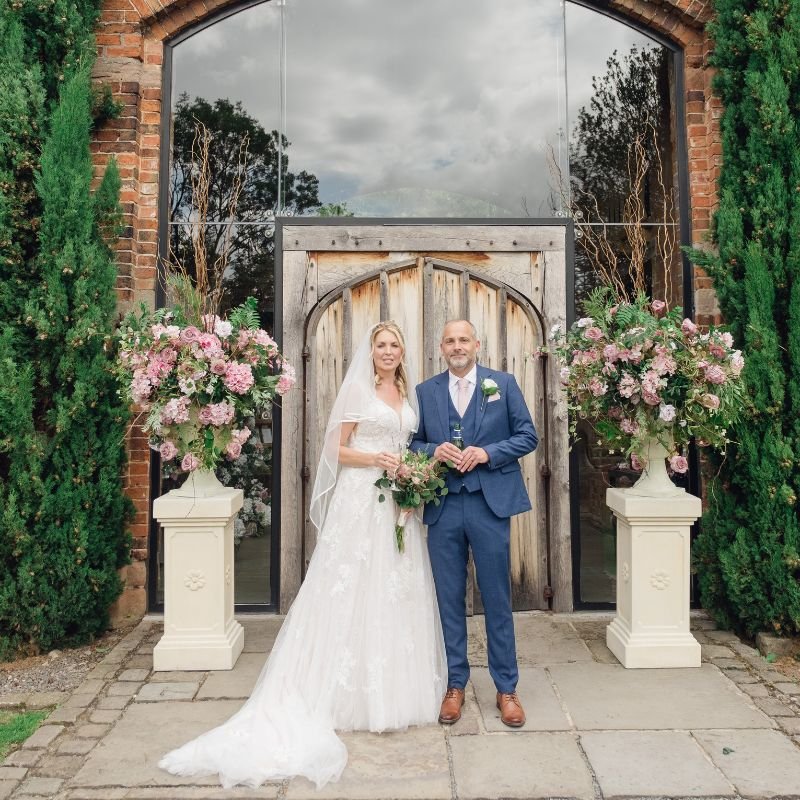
<point>63,514</point>
<point>747,553</point>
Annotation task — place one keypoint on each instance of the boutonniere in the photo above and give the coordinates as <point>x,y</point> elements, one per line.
<point>489,389</point>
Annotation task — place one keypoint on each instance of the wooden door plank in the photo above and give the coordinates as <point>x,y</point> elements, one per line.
<point>554,304</point>
<point>447,238</point>
<point>299,294</point>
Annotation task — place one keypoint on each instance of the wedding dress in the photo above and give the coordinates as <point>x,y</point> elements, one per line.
<point>361,647</point>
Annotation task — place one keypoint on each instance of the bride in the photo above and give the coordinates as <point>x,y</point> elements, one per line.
<point>361,647</point>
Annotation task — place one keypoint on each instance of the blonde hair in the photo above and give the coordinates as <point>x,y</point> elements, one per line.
<point>400,376</point>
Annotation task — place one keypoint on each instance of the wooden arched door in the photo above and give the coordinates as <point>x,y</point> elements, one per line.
<point>346,289</point>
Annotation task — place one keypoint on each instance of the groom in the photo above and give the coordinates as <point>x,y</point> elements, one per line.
<point>485,489</point>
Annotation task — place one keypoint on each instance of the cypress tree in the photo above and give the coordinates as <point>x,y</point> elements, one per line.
<point>63,514</point>
<point>747,554</point>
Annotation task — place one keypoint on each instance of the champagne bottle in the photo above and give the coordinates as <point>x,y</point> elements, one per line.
<point>457,439</point>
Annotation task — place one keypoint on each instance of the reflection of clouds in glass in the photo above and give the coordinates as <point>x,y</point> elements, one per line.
<point>453,95</point>
<point>591,39</point>
<point>411,98</point>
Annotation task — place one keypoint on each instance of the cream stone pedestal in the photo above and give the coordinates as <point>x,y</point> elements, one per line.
<point>651,627</point>
<point>200,632</point>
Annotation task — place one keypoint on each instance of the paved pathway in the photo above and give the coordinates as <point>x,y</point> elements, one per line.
<point>595,730</point>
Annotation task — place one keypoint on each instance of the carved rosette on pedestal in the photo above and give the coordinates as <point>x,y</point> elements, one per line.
<point>200,632</point>
<point>654,519</point>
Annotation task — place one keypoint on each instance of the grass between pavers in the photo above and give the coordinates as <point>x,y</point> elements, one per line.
<point>17,726</point>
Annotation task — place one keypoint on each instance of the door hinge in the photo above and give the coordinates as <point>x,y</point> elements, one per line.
<point>306,353</point>
<point>544,471</point>
<point>548,593</point>
<point>306,473</point>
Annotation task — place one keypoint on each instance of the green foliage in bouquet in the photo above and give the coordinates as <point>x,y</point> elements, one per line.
<point>748,553</point>
<point>416,481</point>
<point>63,514</point>
<point>638,371</point>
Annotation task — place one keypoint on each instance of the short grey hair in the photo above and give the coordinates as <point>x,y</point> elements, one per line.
<point>451,321</point>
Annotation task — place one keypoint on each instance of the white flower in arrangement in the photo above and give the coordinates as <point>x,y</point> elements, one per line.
<point>585,322</point>
<point>666,413</point>
<point>555,330</point>
<point>223,328</point>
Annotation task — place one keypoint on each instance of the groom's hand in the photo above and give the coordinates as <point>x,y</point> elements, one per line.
<point>470,458</point>
<point>447,451</point>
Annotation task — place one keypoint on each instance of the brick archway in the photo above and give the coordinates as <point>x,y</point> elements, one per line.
<point>130,37</point>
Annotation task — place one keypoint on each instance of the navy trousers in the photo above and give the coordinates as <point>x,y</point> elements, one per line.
<point>467,521</point>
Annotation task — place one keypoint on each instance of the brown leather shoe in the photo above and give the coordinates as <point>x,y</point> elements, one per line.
<point>511,711</point>
<point>451,706</point>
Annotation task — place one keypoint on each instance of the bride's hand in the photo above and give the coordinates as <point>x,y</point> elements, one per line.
<point>387,461</point>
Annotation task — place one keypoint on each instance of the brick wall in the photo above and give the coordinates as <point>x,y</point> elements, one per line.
<point>130,39</point>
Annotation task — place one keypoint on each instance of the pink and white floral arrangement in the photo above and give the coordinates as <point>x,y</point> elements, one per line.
<point>197,383</point>
<point>638,371</point>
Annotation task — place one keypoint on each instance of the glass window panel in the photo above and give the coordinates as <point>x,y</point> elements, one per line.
<point>617,78</point>
<point>439,108</point>
<point>227,76</point>
<point>249,271</point>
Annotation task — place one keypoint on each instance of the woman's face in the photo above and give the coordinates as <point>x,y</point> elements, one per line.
<point>387,352</point>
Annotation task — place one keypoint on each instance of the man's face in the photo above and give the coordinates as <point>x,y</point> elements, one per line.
<point>459,346</point>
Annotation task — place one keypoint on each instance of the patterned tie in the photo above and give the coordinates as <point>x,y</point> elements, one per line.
<point>462,398</point>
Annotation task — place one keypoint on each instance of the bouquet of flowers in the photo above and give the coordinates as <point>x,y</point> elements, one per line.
<point>638,371</point>
<point>416,481</point>
<point>198,380</point>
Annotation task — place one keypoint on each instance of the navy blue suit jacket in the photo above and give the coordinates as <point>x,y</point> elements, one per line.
<point>504,430</point>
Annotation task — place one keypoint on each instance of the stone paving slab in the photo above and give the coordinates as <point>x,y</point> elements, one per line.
<point>260,632</point>
<point>511,766</point>
<point>605,697</point>
<point>234,683</point>
<point>653,764</point>
<point>129,755</point>
<point>542,708</point>
<point>266,792</point>
<point>407,765</point>
<point>543,639</point>
<point>157,692</point>
<point>759,763</point>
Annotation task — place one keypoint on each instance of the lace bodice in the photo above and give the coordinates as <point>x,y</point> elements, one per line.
<point>387,431</point>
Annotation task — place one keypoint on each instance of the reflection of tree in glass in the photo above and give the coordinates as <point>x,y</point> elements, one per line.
<point>630,102</point>
<point>251,259</point>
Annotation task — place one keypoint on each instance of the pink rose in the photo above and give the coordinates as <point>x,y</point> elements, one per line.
<point>219,366</point>
<point>709,401</point>
<point>611,352</point>
<point>688,327</point>
<point>658,307</point>
<point>168,450</point>
<point>737,362</point>
<point>651,398</point>
<point>264,339</point>
<point>727,340</point>
<point>210,344</point>
<point>190,463</point>
<point>628,386</point>
<point>233,450</point>
<point>241,436</point>
<point>678,464</point>
<point>716,350</point>
<point>715,374</point>
<point>597,387</point>
<point>629,426</point>
<point>636,463</point>
<point>190,334</point>
<point>594,333</point>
